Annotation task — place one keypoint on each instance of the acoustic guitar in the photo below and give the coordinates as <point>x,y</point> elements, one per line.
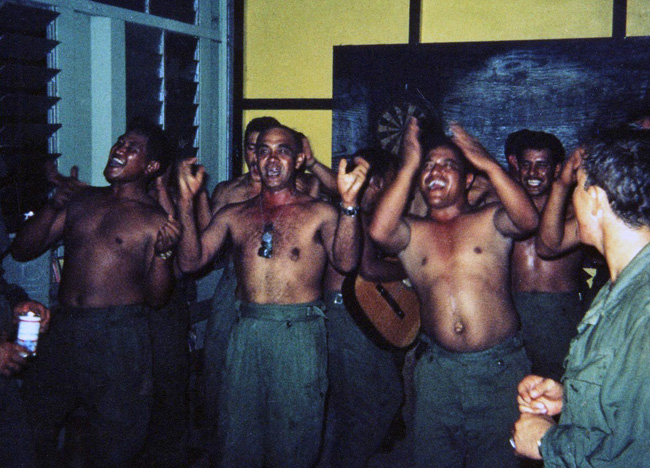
<point>389,312</point>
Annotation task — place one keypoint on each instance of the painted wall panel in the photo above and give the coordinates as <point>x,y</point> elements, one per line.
<point>288,43</point>
<point>495,20</point>
<point>638,18</point>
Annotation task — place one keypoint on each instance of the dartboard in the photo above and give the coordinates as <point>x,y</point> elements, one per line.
<point>392,123</point>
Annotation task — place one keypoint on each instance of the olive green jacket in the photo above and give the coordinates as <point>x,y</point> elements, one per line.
<point>605,419</point>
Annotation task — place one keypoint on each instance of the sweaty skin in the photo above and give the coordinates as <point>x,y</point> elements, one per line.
<point>458,257</point>
<point>532,272</point>
<point>112,235</point>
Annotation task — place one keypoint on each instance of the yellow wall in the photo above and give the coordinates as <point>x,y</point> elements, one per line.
<point>288,43</point>
<point>495,20</point>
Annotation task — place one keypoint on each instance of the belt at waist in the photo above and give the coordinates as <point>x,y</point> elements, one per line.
<point>281,312</point>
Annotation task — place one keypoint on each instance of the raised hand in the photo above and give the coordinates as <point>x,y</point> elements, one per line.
<point>190,178</point>
<point>349,183</point>
<point>167,237</point>
<point>65,187</point>
<point>570,167</point>
<point>538,395</point>
<point>411,150</point>
<point>309,155</point>
<point>473,149</point>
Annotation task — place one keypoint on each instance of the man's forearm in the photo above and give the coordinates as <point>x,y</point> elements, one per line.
<point>551,234</point>
<point>160,279</point>
<point>388,214</point>
<point>347,243</point>
<point>38,234</point>
<point>189,247</point>
<point>515,200</point>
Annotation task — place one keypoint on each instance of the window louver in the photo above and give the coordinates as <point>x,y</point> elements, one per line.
<point>25,105</point>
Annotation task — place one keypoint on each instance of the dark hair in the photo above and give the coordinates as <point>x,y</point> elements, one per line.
<point>157,142</point>
<point>382,162</point>
<point>259,124</point>
<point>515,140</point>
<point>433,140</point>
<point>619,163</point>
<point>295,135</point>
<point>518,142</point>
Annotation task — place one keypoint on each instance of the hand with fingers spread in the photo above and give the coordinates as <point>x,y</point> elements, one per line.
<point>474,151</point>
<point>350,183</point>
<point>411,150</point>
<point>65,187</point>
<point>190,178</point>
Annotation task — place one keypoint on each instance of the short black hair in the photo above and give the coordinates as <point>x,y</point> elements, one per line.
<point>381,161</point>
<point>515,140</point>
<point>259,124</point>
<point>433,140</point>
<point>619,163</point>
<point>157,142</point>
<point>518,142</point>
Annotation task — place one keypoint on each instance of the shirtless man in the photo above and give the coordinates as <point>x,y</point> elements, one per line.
<point>118,245</point>
<point>273,390</point>
<point>457,259</point>
<point>546,291</point>
<point>222,308</point>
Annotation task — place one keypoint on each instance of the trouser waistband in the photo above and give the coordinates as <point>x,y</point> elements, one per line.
<point>281,312</point>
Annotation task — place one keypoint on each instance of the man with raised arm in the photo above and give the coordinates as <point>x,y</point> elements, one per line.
<point>546,290</point>
<point>118,245</point>
<point>273,390</point>
<point>457,258</point>
<point>604,395</point>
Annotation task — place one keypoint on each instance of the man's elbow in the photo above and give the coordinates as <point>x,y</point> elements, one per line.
<point>379,234</point>
<point>547,250</point>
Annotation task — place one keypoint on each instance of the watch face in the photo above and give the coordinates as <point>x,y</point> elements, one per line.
<point>392,123</point>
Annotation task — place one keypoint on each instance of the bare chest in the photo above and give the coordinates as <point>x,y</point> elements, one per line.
<point>108,226</point>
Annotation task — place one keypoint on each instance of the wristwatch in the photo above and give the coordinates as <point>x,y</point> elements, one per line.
<point>351,211</point>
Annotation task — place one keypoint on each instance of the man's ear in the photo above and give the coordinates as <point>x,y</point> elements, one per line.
<point>512,160</point>
<point>556,173</point>
<point>600,201</point>
<point>300,159</point>
<point>152,167</point>
<point>469,179</point>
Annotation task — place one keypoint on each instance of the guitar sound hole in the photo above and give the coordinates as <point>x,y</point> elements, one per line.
<point>390,300</point>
